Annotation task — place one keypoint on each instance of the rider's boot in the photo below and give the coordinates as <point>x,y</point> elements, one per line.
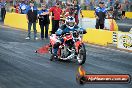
<point>55,50</point>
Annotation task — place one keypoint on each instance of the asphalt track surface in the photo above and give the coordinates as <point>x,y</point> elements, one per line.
<point>124,25</point>
<point>20,67</point>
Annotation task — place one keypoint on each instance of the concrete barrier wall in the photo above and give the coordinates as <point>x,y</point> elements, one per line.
<point>100,37</point>
<point>90,14</point>
<point>129,15</point>
<point>18,21</point>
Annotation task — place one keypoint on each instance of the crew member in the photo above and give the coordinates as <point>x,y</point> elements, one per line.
<point>100,14</point>
<point>44,21</point>
<point>56,11</point>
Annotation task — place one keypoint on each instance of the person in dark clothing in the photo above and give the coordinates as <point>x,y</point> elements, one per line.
<point>3,12</point>
<point>77,11</point>
<point>44,21</point>
<point>57,11</point>
<point>117,6</point>
<point>32,19</point>
<point>100,14</point>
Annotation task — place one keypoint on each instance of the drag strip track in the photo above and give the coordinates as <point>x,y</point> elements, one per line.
<point>20,67</point>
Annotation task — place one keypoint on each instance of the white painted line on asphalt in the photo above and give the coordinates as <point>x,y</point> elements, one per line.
<point>121,51</point>
<point>5,26</point>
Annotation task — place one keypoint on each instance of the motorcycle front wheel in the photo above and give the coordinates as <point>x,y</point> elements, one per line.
<point>81,57</point>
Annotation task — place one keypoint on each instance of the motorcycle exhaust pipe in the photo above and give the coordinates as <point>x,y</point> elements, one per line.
<point>72,51</point>
<point>69,57</point>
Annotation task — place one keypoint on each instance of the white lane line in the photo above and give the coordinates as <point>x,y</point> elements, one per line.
<point>5,26</point>
<point>121,51</point>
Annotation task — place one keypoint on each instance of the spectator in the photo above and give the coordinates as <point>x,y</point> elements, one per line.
<point>63,5</point>
<point>32,19</point>
<point>126,5</point>
<point>96,4</point>
<point>110,13</point>
<point>66,11</point>
<point>111,2</point>
<point>3,12</point>
<point>16,8</point>
<point>35,3</point>
<point>44,21</point>
<point>69,11</point>
<point>92,5</point>
<point>54,2</point>
<point>0,4</point>
<point>130,6</point>
<point>49,3</point>
<point>77,10</point>
<point>56,13</point>
<point>117,6</point>
<point>86,2</point>
<point>100,14</point>
<point>22,7</point>
<point>130,31</point>
<point>69,2</point>
<point>108,4</point>
<point>123,8</point>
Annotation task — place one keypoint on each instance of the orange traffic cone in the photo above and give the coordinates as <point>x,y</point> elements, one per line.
<point>112,26</point>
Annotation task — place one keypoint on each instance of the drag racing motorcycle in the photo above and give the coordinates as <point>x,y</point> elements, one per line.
<point>71,49</point>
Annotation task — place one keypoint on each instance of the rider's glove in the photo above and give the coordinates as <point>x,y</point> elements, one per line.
<point>59,32</point>
<point>84,31</point>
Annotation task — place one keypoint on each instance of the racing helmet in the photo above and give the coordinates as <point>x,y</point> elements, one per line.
<point>70,22</point>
